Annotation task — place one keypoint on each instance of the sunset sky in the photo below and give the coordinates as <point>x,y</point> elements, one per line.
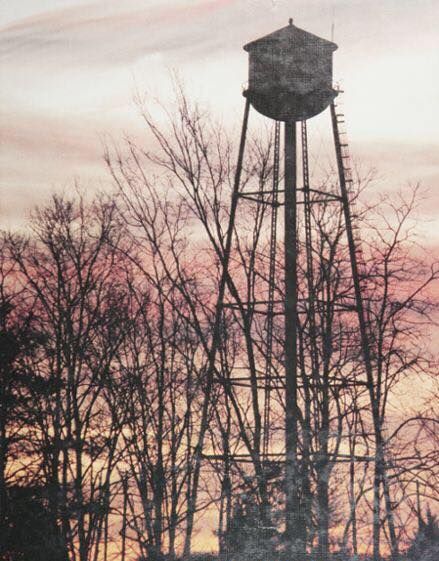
<point>69,69</point>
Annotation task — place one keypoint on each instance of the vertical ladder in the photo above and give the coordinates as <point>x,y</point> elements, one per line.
<point>354,243</point>
<point>345,167</point>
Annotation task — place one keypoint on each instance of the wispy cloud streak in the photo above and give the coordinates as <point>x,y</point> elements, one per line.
<point>96,35</point>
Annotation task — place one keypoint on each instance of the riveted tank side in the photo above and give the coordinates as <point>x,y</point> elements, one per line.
<point>290,74</point>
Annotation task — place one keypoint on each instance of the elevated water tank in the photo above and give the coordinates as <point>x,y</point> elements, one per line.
<point>290,74</point>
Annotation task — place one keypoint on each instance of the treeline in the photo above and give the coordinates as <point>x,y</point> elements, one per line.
<point>117,441</point>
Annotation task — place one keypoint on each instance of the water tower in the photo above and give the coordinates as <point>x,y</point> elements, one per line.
<point>290,81</point>
<point>290,74</point>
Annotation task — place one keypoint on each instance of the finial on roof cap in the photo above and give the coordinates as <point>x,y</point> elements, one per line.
<point>290,21</point>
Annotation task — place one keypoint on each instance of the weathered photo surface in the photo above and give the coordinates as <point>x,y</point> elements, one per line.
<point>219,280</point>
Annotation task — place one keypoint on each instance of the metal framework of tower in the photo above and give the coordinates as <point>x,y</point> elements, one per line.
<point>293,199</point>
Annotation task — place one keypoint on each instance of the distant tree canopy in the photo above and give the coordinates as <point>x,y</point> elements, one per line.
<point>247,538</point>
<point>425,546</point>
<point>30,534</point>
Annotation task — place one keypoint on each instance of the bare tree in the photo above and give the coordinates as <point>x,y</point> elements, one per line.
<point>111,399</point>
<point>70,272</point>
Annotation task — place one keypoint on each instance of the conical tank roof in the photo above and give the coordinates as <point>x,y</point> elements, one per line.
<point>293,35</point>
